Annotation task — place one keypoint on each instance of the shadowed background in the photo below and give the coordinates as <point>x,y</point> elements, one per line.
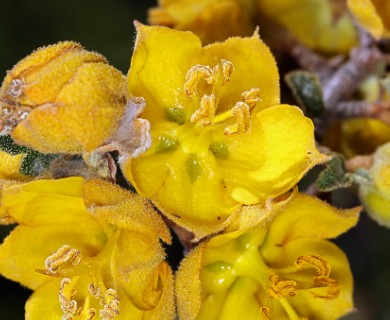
<point>106,27</point>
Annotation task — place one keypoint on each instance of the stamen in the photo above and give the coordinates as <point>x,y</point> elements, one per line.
<point>206,111</point>
<point>91,313</point>
<point>322,278</point>
<point>62,256</point>
<point>194,75</point>
<point>95,291</point>
<point>265,313</point>
<point>15,88</point>
<point>111,305</point>
<point>243,117</point>
<point>251,97</point>
<point>281,288</point>
<point>85,312</point>
<point>227,70</point>
<point>319,263</point>
<point>68,306</point>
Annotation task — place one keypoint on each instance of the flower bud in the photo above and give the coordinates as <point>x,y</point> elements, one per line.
<point>62,98</point>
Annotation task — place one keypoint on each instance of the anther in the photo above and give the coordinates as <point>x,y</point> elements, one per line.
<point>227,70</point>
<point>193,76</point>
<point>62,256</point>
<point>206,111</point>
<point>251,97</point>
<point>281,288</point>
<point>91,313</point>
<point>95,291</point>
<point>111,305</point>
<point>265,313</point>
<point>68,306</point>
<point>242,113</point>
<point>15,88</point>
<point>320,264</point>
<point>322,278</point>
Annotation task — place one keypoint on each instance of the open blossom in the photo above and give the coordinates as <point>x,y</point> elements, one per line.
<point>282,268</point>
<point>373,15</point>
<point>88,249</point>
<point>63,98</point>
<point>220,138</point>
<point>214,20</point>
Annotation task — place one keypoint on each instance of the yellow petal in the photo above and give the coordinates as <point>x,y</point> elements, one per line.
<point>97,192</point>
<point>321,25</point>
<point>375,195</point>
<point>307,217</point>
<point>211,20</point>
<point>377,204</point>
<point>193,195</point>
<point>159,64</point>
<point>188,287</point>
<point>26,249</point>
<point>246,54</point>
<point>367,15</point>
<point>125,210</point>
<point>138,269</point>
<point>304,302</point>
<point>275,165</point>
<point>44,302</point>
<point>47,202</point>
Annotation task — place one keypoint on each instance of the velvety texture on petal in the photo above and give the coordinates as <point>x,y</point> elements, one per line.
<point>69,100</point>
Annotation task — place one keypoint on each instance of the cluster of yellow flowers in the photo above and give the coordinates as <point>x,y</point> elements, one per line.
<point>202,137</point>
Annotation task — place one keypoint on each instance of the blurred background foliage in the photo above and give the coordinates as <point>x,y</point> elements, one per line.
<point>106,27</point>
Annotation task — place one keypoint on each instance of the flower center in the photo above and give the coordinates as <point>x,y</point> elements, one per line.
<point>207,104</point>
<point>69,264</point>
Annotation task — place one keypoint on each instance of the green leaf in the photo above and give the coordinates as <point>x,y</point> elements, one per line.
<point>307,90</point>
<point>334,176</point>
<point>33,163</point>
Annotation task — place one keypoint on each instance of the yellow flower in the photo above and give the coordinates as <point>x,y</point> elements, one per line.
<point>211,20</point>
<point>88,249</point>
<point>375,196</point>
<point>322,25</point>
<point>62,98</point>
<point>283,268</point>
<point>373,15</point>
<point>220,138</point>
